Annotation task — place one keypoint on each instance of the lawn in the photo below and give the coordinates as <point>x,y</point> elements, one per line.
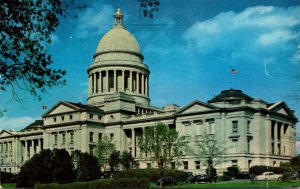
<point>9,185</point>
<point>271,184</point>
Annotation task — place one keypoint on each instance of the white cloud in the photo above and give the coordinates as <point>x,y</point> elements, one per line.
<point>248,35</point>
<point>275,36</point>
<point>94,21</point>
<point>15,123</point>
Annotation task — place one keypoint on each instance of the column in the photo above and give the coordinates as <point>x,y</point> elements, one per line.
<point>90,84</point>
<point>137,82</point>
<point>146,85</point>
<point>93,89</point>
<point>143,84</point>
<point>115,81</point>
<point>282,140</point>
<point>100,82</point>
<point>107,80</point>
<point>38,146</point>
<point>133,142</point>
<point>130,81</point>
<point>95,83</point>
<point>123,82</point>
<point>31,150</point>
<point>25,151</point>
<point>275,138</point>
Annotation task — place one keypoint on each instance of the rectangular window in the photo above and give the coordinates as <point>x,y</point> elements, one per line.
<point>63,136</point>
<point>185,165</point>
<point>54,119</point>
<point>71,117</point>
<point>248,127</point>
<point>62,118</point>
<point>55,139</point>
<point>112,136</point>
<point>99,117</point>
<point>92,150</point>
<point>148,165</point>
<point>248,145</point>
<point>210,126</point>
<point>197,164</point>
<point>91,136</point>
<point>71,138</point>
<point>99,137</point>
<point>234,163</point>
<point>234,126</point>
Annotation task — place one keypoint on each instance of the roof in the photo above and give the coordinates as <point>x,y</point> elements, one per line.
<point>35,124</point>
<point>231,95</point>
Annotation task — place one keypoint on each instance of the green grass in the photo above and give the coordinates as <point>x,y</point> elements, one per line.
<point>231,184</point>
<point>9,185</point>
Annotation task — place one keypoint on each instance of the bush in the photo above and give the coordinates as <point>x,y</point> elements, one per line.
<point>224,178</point>
<point>103,183</point>
<point>153,174</point>
<point>232,171</point>
<point>259,169</point>
<point>6,177</point>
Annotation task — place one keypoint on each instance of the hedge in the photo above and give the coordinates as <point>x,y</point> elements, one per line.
<point>259,169</point>
<point>102,183</point>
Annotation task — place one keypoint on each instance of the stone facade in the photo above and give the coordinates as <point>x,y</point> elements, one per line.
<point>256,132</point>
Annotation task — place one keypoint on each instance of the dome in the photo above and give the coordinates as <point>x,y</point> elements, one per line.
<point>118,40</point>
<point>230,96</point>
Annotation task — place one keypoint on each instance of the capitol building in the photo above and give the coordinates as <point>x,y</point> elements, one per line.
<point>118,106</point>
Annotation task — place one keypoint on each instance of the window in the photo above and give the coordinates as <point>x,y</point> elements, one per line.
<point>92,150</point>
<point>197,164</point>
<point>234,126</point>
<point>71,117</point>
<point>148,165</point>
<point>249,163</point>
<point>55,139</point>
<point>234,140</point>
<point>112,136</point>
<point>248,127</point>
<point>71,138</point>
<point>99,117</point>
<point>234,163</point>
<point>62,118</point>
<point>173,165</point>
<point>54,119</point>
<point>91,137</point>
<point>99,137</point>
<point>63,136</point>
<point>185,165</point>
<point>210,127</point>
<point>91,116</point>
<point>248,145</point>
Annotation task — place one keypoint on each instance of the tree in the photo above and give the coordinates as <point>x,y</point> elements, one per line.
<point>127,160</point>
<point>25,34</point>
<point>37,169</point>
<point>103,150</point>
<point>295,163</point>
<point>61,166</point>
<point>210,151</point>
<point>161,145</point>
<point>87,166</point>
<point>114,160</point>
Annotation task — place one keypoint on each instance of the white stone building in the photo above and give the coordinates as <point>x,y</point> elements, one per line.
<point>259,133</point>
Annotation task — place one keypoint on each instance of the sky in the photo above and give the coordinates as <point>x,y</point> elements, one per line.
<point>190,47</point>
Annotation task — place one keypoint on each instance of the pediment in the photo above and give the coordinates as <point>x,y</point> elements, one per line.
<point>196,106</point>
<point>282,108</point>
<point>5,133</point>
<point>60,108</point>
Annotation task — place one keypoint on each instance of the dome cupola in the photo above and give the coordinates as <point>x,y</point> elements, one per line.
<point>118,66</point>
<point>231,95</point>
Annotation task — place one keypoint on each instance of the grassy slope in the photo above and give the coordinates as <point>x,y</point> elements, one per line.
<point>9,185</point>
<point>242,185</point>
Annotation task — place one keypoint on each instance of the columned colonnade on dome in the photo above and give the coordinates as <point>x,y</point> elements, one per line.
<point>115,80</point>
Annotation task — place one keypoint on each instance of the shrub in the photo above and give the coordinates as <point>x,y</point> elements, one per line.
<point>224,178</point>
<point>232,171</point>
<point>103,183</point>
<point>259,169</point>
<point>6,177</point>
<point>153,174</point>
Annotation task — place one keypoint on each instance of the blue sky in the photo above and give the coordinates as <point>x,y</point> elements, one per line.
<point>190,48</point>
